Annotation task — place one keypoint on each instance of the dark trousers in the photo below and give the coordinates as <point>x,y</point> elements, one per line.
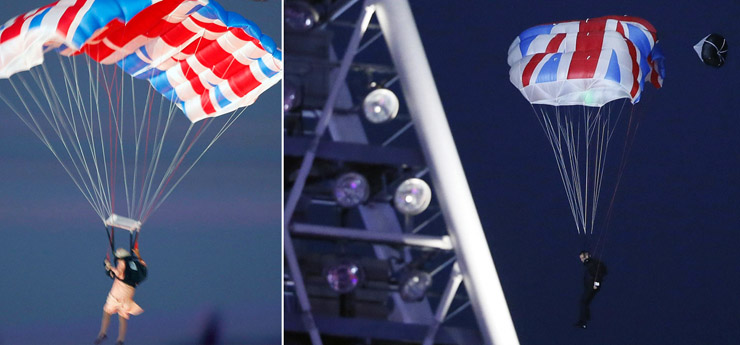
<point>588,295</point>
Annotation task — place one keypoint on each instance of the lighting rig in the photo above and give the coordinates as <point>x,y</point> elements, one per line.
<point>373,253</point>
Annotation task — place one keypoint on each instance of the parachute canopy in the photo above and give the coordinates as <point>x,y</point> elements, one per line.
<point>589,62</point>
<point>578,76</point>
<point>712,50</point>
<point>208,61</point>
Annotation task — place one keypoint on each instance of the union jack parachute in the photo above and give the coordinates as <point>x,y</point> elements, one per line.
<point>589,62</point>
<point>205,59</point>
<point>74,64</point>
<point>578,77</point>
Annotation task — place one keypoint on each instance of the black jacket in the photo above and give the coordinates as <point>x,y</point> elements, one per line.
<point>594,272</point>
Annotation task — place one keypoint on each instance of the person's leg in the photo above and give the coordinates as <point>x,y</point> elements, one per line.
<point>104,323</point>
<point>121,329</point>
<point>586,297</point>
<point>590,299</point>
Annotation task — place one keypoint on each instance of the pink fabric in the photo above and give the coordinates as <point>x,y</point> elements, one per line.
<point>121,296</point>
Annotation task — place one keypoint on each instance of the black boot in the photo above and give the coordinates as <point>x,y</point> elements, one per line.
<point>100,339</point>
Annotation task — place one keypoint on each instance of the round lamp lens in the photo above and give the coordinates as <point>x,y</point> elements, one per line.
<point>351,189</point>
<point>412,197</point>
<point>380,106</point>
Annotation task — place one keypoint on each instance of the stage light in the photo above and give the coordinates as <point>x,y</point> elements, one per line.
<point>412,197</point>
<point>291,95</point>
<point>414,285</point>
<point>380,105</point>
<point>351,189</point>
<point>300,16</point>
<point>344,275</point>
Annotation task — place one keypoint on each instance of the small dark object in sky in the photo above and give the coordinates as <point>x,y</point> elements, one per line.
<point>712,50</point>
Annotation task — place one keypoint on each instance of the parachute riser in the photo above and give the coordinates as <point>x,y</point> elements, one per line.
<point>133,238</point>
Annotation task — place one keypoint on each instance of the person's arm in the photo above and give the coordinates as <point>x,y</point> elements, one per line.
<point>108,267</point>
<point>598,274</point>
<point>118,270</point>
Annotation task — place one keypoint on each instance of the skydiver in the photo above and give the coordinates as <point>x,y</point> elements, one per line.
<point>593,275</point>
<point>121,296</point>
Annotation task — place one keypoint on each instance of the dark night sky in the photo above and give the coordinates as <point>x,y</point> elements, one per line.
<point>672,246</point>
<point>213,248</point>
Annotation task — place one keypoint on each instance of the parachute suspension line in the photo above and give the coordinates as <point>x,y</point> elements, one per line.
<point>44,84</point>
<point>119,122</point>
<point>152,204</point>
<point>555,142</point>
<point>579,138</point>
<point>118,131</point>
<point>94,94</point>
<point>157,146</point>
<point>119,127</point>
<point>148,109</point>
<point>607,126</point>
<point>112,161</point>
<point>156,159</point>
<point>232,118</point>
<point>67,121</point>
<point>33,124</point>
<point>599,127</point>
<point>86,124</point>
<point>570,130</point>
<point>69,124</point>
<point>145,119</point>
<point>176,161</point>
<point>557,139</point>
<point>137,140</point>
<point>34,127</point>
<point>632,127</point>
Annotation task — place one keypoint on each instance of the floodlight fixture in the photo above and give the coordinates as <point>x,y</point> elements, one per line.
<point>351,189</point>
<point>412,196</point>
<point>380,105</point>
<point>291,95</point>
<point>414,285</point>
<point>300,16</point>
<point>344,275</point>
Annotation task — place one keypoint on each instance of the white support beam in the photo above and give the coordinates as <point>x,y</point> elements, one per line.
<point>308,158</point>
<point>450,184</point>
<point>444,304</point>
<point>436,242</point>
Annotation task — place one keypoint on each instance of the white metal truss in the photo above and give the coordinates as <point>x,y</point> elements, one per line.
<point>474,264</point>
